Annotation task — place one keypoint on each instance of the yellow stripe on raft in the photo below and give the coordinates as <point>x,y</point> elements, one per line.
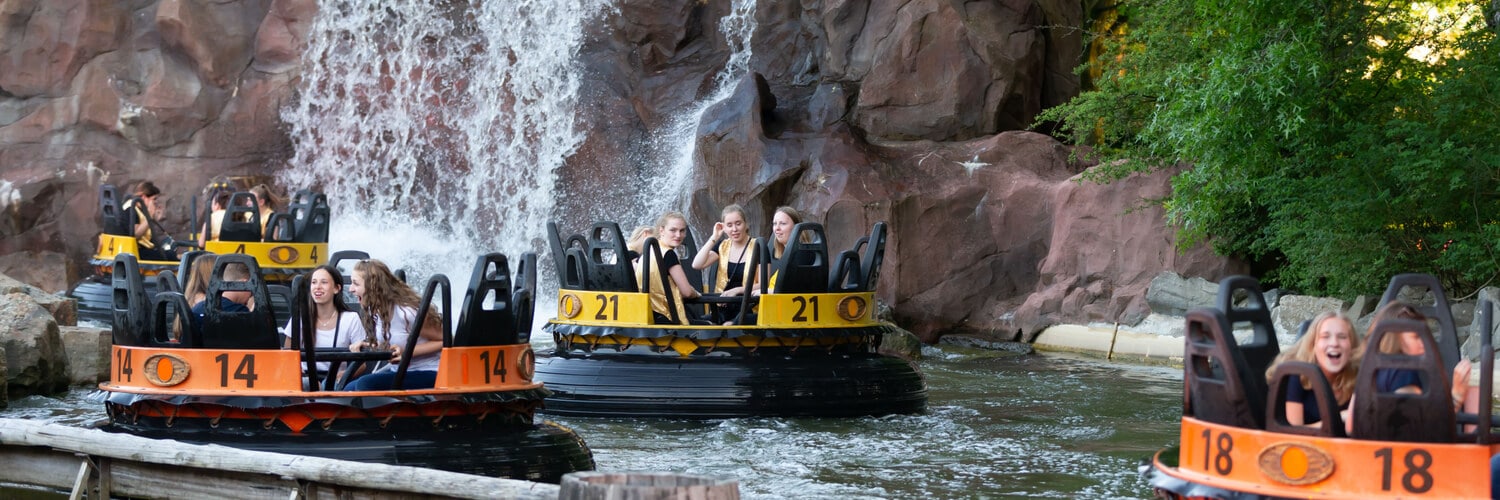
<point>777,310</point>
<point>685,346</point>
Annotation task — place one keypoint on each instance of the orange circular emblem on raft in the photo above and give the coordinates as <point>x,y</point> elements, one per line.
<point>852,308</point>
<point>283,255</point>
<point>1295,464</point>
<point>570,305</point>
<point>526,365</point>
<point>166,374</point>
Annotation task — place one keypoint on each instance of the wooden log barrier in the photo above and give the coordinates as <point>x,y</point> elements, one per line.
<point>646,486</point>
<point>57,456</point>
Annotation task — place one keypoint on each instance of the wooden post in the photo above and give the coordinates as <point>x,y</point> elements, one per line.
<point>646,486</point>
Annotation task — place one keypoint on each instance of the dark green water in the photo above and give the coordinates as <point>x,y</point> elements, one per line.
<point>998,426</point>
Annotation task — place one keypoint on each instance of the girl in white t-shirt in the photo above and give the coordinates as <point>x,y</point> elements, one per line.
<point>387,309</point>
<point>333,324</point>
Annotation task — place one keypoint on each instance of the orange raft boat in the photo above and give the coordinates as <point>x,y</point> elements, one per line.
<point>1236,442</point>
<point>234,385</point>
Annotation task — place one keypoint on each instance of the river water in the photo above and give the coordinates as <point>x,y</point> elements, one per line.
<point>998,425</point>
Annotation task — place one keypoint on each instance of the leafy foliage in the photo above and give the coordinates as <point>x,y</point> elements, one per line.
<point>1336,142</point>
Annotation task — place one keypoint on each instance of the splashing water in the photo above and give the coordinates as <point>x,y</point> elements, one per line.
<point>675,144</point>
<point>436,128</point>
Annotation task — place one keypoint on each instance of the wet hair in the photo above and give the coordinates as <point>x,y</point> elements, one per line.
<point>146,189</point>
<point>1395,309</point>
<point>383,295</point>
<point>1343,381</point>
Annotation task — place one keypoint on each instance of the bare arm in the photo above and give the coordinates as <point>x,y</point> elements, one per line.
<point>1294,413</point>
<point>710,252</point>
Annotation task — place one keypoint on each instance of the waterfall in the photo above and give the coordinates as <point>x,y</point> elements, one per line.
<point>436,128</point>
<point>676,143</point>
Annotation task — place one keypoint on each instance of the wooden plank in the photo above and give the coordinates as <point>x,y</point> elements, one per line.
<point>38,466</point>
<point>212,461</point>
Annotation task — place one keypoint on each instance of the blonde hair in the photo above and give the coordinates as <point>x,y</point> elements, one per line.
<point>1343,381</point>
<point>666,218</point>
<point>638,238</point>
<point>197,278</point>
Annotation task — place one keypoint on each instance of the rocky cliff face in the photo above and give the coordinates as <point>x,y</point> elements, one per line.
<point>909,112</point>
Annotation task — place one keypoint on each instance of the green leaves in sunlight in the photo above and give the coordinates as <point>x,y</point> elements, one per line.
<point>1335,143</point>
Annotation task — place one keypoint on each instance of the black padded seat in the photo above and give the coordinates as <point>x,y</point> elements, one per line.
<point>690,249</point>
<point>858,269</point>
<point>185,266</point>
<point>1332,424</point>
<point>1440,311</point>
<point>112,219</point>
<point>1262,348</point>
<point>241,219</point>
<point>238,330</point>
<point>166,281</point>
<point>523,295</point>
<point>803,266</point>
<point>310,214</point>
<point>129,305</point>
<point>281,228</point>
<point>167,309</point>
<point>1389,416</point>
<point>1221,388</point>
<point>488,316</point>
<point>338,260</point>
<point>608,268</point>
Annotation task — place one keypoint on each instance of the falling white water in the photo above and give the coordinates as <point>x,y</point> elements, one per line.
<point>676,143</point>
<point>436,128</point>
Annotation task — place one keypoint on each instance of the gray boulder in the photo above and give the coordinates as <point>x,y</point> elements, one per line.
<point>1292,310</point>
<point>1174,295</point>
<point>88,354</point>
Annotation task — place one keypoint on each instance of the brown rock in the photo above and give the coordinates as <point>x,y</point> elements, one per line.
<point>43,43</point>
<point>34,353</point>
<point>49,271</point>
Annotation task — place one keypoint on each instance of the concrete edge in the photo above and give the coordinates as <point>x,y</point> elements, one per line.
<point>1112,344</point>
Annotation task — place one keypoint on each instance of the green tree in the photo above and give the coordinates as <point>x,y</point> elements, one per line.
<point>1333,142</point>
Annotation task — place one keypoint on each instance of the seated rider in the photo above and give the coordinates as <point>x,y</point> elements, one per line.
<point>210,230</point>
<point>147,207</point>
<point>732,248</point>
<point>268,203</point>
<point>1465,397</point>
<point>671,228</point>
<point>782,223</point>
<point>229,300</point>
<point>388,309</point>
<point>1330,343</point>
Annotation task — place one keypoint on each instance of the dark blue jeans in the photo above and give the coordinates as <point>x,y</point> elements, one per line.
<point>384,380</point>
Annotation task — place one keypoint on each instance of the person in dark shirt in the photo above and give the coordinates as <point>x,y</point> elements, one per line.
<point>1330,343</point>
<point>671,228</point>
<point>229,301</point>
